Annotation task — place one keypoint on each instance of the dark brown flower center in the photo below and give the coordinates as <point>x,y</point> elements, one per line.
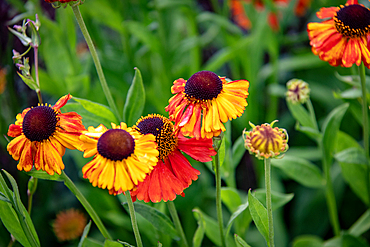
<point>203,85</point>
<point>162,128</point>
<point>353,21</point>
<point>116,144</point>
<point>40,123</point>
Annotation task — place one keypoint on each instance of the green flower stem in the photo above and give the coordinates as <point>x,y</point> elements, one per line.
<point>95,57</point>
<point>90,210</point>
<point>30,192</point>
<point>38,92</point>
<point>268,201</point>
<point>216,163</point>
<point>175,218</point>
<point>365,119</point>
<point>139,243</point>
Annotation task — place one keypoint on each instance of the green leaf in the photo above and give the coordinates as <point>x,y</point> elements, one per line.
<point>135,100</point>
<point>259,215</point>
<point>240,242</point>
<point>355,174</point>
<point>84,234</point>
<point>300,170</point>
<point>159,220</point>
<point>43,175</point>
<point>237,212</point>
<point>199,233</point>
<point>308,241</point>
<point>29,82</point>
<point>238,151</point>
<point>330,130</point>
<point>23,216</point>
<point>230,197</point>
<point>345,240</point>
<point>111,243</point>
<point>300,114</point>
<point>222,151</point>
<point>97,109</point>
<point>277,199</point>
<point>361,226</point>
<point>90,242</point>
<point>144,34</point>
<point>35,37</point>
<point>211,229</point>
<point>352,155</point>
<point>4,198</point>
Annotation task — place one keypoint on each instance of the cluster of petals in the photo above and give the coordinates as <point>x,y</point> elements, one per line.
<point>342,38</point>
<point>266,141</point>
<point>42,134</point>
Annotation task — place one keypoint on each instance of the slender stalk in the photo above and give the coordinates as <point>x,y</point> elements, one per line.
<point>175,218</point>
<point>12,241</point>
<point>30,192</point>
<point>268,201</point>
<point>139,243</point>
<point>365,119</point>
<point>96,60</point>
<point>89,209</point>
<point>38,92</point>
<point>330,197</point>
<point>216,162</point>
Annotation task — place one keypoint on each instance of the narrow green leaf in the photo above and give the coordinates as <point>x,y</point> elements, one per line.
<point>345,240</point>
<point>199,233</point>
<point>4,198</point>
<point>300,114</point>
<point>361,226</point>
<point>330,130</point>
<point>277,199</point>
<point>222,151</point>
<point>35,37</point>
<point>238,151</point>
<point>159,220</point>
<point>111,243</point>
<point>300,170</point>
<point>125,243</point>
<point>29,82</point>
<point>238,212</point>
<point>230,197</point>
<point>44,175</point>
<point>84,234</point>
<point>240,242</point>
<point>23,216</point>
<point>259,215</point>
<point>308,241</point>
<point>90,242</point>
<point>97,109</point>
<point>135,100</point>
<point>23,38</point>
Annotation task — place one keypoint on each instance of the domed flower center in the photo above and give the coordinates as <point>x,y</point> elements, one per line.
<point>203,85</point>
<point>40,123</point>
<point>116,144</point>
<point>267,139</point>
<point>162,128</point>
<point>353,21</point>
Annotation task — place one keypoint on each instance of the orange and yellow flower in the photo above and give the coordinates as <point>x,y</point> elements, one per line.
<point>122,157</point>
<point>203,103</point>
<point>42,134</point>
<point>342,39</point>
<point>69,224</point>
<point>266,141</point>
<point>173,173</point>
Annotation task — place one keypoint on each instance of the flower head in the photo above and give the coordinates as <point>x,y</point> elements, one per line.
<point>264,141</point>
<point>173,173</point>
<point>342,39</point>
<point>298,91</point>
<point>69,224</point>
<point>203,103</point>
<point>122,157</point>
<point>42,134</point>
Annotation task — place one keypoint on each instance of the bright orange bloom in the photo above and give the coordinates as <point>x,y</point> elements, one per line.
<point>173,173</point>
<point>69,224</point>
<point>203,103</point>
<point>343,39</point>
<point>42,134</point>
<point>122,157</point>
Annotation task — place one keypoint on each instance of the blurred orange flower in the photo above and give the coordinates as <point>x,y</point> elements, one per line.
<point>69,224</point>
